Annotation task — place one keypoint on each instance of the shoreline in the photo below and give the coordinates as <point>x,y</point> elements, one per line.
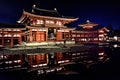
<point>48,48</point>
<point>44,49</point>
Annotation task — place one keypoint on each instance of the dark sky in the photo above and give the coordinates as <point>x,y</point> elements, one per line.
<point>103,12</point>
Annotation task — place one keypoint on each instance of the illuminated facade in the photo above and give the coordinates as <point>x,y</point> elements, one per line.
<point>90,32</point>
<point>46,25</point>
<point>11,34</point>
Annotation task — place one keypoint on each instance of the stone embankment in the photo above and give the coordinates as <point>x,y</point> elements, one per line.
<point>43,49</point>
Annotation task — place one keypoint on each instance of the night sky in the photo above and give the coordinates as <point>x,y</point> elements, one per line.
<point>103,12</point>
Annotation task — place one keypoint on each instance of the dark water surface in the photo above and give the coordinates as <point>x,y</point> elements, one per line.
<point>99,63</point>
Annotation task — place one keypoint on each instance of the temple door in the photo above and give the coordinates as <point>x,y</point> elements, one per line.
<point>59,36</point>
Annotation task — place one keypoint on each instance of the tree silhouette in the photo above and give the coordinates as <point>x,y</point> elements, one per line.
<point>110,27</point>
<point>111,30</point>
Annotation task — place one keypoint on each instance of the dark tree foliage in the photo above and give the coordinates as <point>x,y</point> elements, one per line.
<point>111,32</point>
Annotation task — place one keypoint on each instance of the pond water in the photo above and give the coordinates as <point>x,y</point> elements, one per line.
<point>97,63</point>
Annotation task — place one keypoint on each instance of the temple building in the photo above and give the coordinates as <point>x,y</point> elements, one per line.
<point>11,34</point>
<point>46,25</point>
<point>90,32</point>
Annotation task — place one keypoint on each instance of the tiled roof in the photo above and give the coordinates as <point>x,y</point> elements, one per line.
<point>95,28</point>
<point>43,12</point>
<point>12,25</point>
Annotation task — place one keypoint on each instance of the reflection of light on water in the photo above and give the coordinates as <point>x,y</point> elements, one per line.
<point>41,71</point>
<point>88,62</point>
<point>115,45</point>
<point>3,57</point>
<point>53,62</point>
<point>101,58</point>
<point>39,65</point>
<point>102,53</point>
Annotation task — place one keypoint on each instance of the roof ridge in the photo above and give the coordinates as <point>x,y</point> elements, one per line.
<point>46,10</point>
<point>9,24</point>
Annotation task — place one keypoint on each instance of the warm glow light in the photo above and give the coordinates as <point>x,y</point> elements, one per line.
<point>88,26</point>
<point>115,37</point>
<point>95,38</point>
<point>101,35</point>
<point>49,22</point>
<point>7,35</point>
<point>9,29</point>
<point>101,58</point>
<point>0,35</point>
<point>58,69</point>
<point>59,23</point>
<point>17,30</point>
<point>101,53</point>
<point>115,45</point>
<point>14,29</point>
<point>40,21</point>
<point>101,31</point>
<point>16,35</point>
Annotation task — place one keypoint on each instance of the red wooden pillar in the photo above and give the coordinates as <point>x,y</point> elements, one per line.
<point>20,40</point>
<point>30,35</point>
<point>30,59</point>
<point>92,37</point>
<point>12,40</point>
<point>83,37</point>
<point>37,59</point>
<point>44,35</point>
<point>25,38</point>
<point>3,40</point>
<point>36,35</point>
<point>98,35</point>
<point>20,55</point>
<point>79,37</point>
<point>88,34</point>
<point>75,36</point>
<point>40,35</point>
<point>69,35</point>
<point>63,35</point>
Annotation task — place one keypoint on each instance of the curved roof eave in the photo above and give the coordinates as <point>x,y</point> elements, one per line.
<point>60,18</point>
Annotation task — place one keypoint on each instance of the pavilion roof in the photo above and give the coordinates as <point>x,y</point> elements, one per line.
<point>44,12</point>
<point>88,23</point>
<point>2,25</point>
<point>95,28</point>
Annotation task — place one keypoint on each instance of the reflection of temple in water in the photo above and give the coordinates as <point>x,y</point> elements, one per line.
<point>54,61</point>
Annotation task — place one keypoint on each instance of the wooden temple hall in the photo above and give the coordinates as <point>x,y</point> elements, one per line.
<point>46,25</point>
<point>90,32</point>
<point>43,27</point>
<point>40,25</point>
<point>11,34</point>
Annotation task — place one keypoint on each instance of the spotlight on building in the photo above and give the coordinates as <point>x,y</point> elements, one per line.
<point>115,45</point>
<point>115,38</point>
